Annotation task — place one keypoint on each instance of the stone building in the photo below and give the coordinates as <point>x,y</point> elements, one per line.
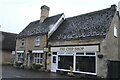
<point>8,45</point>
<point>32,41</point>
<point>86,42</point>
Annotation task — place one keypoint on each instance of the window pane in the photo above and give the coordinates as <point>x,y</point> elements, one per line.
<point>37,41</point>
<point>90,53</point>
<point>115,31</point>
<point>20,57</point>
<point>85,63</point>
<point>41,56</point>
<point>54,53</point>
<point>41,61</point>
<point>79,53</point>
<point>22,42</point>
<point>38,58</point>
<point>65,62</point>
<point>54,59</point>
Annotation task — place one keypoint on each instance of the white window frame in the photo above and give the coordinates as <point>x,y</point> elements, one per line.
<point>74,63</point>
<point>115,31</point>
<point>37,41</point>
<point>20,58</point>
<point>38,56</point>
<point>88,55</point>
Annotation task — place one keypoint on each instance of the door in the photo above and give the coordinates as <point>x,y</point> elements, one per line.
<point>28,60</point>
<point>53,63</point>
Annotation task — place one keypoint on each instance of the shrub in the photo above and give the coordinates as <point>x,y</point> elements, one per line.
<point>37,66</point>
<point>18,64</point>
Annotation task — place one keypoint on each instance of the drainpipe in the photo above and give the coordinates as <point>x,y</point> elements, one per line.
<point>46,52</point>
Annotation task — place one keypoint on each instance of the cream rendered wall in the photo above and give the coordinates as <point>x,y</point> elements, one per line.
<point>109,49</point>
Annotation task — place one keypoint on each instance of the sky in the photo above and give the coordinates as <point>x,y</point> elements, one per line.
<point>15,15</point>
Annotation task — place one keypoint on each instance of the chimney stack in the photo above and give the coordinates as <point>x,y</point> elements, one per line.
<point>44,13</point>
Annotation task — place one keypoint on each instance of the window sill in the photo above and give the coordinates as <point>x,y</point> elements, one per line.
<point>19,62</point>
<point>38,64</point>
<point>37,45</point>
<point>21,46</point>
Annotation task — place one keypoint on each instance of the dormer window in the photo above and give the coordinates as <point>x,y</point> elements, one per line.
<point>37,41</point>
<point>22,42</point>
<point>115,31</point>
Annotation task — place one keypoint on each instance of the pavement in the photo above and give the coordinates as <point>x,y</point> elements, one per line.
<point>12,72</point>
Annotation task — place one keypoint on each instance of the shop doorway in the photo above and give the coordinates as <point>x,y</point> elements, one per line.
<point>54,63</point>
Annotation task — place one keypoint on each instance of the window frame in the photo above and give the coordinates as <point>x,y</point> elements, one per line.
<point>38,58</point>
<point>22,42</point>
<point>86,54</point>
<point>115,31</point>
<point>37,41</point>
<point>20,57</point>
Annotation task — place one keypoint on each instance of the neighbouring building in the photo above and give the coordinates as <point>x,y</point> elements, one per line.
<point>85,42</point>
<point>8,45</point>
<point>32,41</point>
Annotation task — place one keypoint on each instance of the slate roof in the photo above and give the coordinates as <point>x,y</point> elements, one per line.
<point>94,24</point>
<point>39,28</point>
<point>8,41</point>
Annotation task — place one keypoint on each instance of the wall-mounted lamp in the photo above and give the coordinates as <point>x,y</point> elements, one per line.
<point>49,54</point>
<point>100,55</point>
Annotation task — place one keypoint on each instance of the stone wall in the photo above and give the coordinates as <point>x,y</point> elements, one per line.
<point>30,45</point>
<point>7,57</point>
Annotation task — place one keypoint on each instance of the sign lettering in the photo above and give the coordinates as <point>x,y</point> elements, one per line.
<point>71,49</point>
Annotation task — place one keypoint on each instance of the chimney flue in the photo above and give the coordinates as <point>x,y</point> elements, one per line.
<point>44,13</point>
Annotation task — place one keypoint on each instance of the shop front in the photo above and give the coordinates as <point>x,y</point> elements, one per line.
<point>82,59</point>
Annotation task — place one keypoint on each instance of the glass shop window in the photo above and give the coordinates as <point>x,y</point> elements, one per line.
<point>64,62</point>
<point>85,63</point>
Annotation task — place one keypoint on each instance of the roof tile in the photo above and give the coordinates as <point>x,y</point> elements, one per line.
<point>94,24</point>
<point>39,28</point>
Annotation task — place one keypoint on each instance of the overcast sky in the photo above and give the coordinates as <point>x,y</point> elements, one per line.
<point>15,15</point>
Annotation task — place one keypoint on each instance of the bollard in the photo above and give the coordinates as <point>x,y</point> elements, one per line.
<point>70,73</point>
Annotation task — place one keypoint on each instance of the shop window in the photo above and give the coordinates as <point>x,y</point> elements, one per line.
<point>38,57</point>
<point>20,57</point>
<point>65,62</point>
<point>37,41</point>
<point>85,63</point>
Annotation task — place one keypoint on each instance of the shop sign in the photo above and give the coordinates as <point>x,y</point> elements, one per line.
<point>76,48</point>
